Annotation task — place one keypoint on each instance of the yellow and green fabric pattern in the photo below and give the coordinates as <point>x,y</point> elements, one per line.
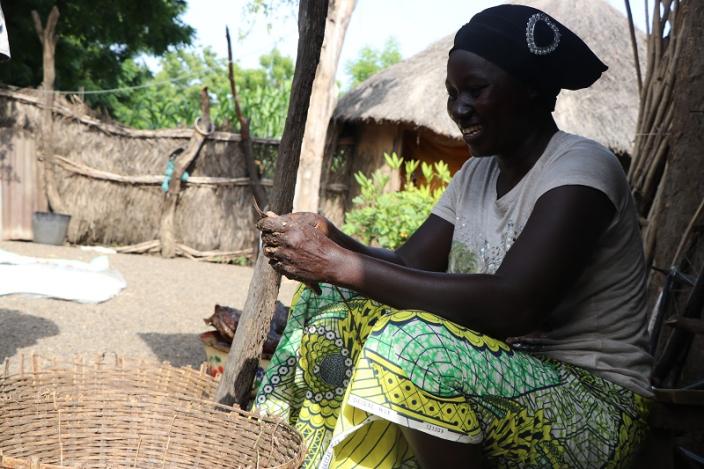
<point>349,371</point>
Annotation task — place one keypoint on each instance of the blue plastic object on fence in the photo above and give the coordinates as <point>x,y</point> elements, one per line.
<point>169,173</point>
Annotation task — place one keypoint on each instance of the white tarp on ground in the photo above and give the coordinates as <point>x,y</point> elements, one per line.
<point>84,282</point>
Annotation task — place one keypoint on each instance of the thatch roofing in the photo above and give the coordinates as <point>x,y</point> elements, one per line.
<point>412,92</point>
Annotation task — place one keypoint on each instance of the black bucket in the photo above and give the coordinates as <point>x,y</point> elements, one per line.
<point>50,228</point>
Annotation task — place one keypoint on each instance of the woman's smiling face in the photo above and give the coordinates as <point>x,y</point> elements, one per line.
<point>491,108</point>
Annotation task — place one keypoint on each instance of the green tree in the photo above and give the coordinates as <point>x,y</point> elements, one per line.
<point>172,99</point>
<point>95,39</point>
<point>370,61</point>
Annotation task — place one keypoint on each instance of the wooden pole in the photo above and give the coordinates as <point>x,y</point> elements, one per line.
<point>202,129</point>
<point>634,43</point>
<point>257,189</point>
<point>322,103</point>
<point>47,36</point>
<point>258,309</point>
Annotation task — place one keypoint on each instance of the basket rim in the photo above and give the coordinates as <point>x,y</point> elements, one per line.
<point>12,366</point>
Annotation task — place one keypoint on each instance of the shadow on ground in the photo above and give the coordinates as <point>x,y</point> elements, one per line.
<point>177,349</point>
<point>18,330</point>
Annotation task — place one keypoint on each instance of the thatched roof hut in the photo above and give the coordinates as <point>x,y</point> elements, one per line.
<point>403,107</point>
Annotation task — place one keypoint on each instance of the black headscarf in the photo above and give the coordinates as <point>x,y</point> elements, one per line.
<point>531,46</point>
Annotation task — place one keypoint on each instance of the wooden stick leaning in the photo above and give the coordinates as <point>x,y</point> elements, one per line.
<point>652,138</point>
<point>258,310</point>
<point>186,251</point>
<point>257,189</point>
<point>649,173</point>
<point>634,44</point>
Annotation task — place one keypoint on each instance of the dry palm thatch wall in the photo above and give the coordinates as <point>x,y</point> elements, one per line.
<point>667,72</point>
<point>666,176</point>
<point>109,179</point>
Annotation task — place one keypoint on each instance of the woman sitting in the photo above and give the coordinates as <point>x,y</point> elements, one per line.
<point>510,329</point>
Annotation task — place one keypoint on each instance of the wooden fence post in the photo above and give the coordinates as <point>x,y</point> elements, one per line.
<point>167,237</point>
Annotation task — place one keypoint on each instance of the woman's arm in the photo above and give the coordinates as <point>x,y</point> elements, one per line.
<point>552,251</point>
<point>427,249</point>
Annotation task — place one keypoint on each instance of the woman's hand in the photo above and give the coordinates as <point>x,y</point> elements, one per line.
<point>298,247</point>
<point>319,222</point>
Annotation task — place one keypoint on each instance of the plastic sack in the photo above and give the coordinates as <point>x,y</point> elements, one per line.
<point>84,282</point>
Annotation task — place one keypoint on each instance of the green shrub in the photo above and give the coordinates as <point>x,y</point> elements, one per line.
<point>388,219</point>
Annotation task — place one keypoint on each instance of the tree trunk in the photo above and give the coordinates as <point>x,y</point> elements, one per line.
<point>322,104</point>
<point>258,309</point>
<point>47,36</point>
<point>167,237</point>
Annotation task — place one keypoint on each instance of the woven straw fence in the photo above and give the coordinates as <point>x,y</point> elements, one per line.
<point>112,213</point>
<point>121,413</point>
<point>214,211</point>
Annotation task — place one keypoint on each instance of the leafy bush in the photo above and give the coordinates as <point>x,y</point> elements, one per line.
<point>388,219</point>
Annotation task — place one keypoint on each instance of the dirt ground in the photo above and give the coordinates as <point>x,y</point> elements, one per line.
<point>158,315</point>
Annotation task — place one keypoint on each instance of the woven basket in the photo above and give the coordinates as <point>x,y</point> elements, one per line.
<point>113,415</point>
<point>142,430</point>
<point>34,374</point>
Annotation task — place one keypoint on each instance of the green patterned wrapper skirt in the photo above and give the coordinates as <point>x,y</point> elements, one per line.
<point>349,370</point>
